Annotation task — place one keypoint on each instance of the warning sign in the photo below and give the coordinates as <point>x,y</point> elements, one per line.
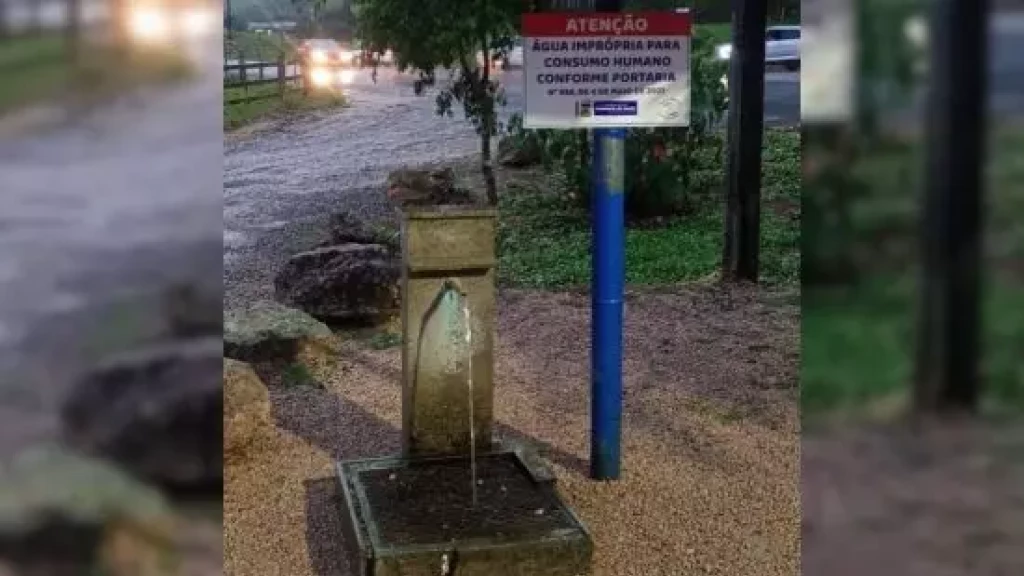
<point>622,70</point>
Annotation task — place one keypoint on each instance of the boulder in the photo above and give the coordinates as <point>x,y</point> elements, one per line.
<point>519,152</point>
<point>350,282</point>
<point>247,419</point>
<point>417,187</point>
<point>156,412</point>
<point>191,311</point>
<point>268,331</point>
<point>345,228</point>
<point>60,511</point>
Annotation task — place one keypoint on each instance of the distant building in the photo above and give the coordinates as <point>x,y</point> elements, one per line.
<point>275,26</point>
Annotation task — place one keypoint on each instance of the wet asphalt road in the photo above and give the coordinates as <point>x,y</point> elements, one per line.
<point>107,209</point>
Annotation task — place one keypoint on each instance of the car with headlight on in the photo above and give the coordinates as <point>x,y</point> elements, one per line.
<point>782,46</point>
<point>514,57</point>
<point>327,63</point>
<point>371,57</point>
<point>327,51</point>
<point>170,21</point>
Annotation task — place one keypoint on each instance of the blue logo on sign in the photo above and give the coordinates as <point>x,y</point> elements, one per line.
<point>615,108</point>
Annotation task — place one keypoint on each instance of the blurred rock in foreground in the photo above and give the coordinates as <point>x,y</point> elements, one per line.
<point>157,412</point>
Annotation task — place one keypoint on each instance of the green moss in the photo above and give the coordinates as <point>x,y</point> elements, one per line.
<point>296,375</point>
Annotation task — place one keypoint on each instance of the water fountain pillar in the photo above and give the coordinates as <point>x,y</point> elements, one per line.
<point>439,245</point>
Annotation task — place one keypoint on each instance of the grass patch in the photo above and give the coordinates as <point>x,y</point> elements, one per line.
<point>544,241</point>
<point>858,341</point>
<point>255,46</point>
<point>296,375</point>
<point>37,68</point>
<point>33,68</point>
<point>858,345</point>
<point>384,340</point>
<point>239,114</point>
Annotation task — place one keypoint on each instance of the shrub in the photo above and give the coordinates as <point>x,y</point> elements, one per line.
<point>665,165</point>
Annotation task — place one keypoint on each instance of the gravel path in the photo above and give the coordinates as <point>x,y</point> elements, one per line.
<point>890,501</point>
<point>710,442</point>
<point>281,183</point>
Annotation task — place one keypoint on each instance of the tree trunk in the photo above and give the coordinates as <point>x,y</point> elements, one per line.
<point>229,20</point>
<point>487,168</point>
<point>488,128</point>
<point>948,364</point>
<point>4,25</point>
<point>740,254</point>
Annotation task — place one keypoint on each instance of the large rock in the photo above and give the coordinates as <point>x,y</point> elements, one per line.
<point>65,514</point>
<point>345,228</point>
<point>268,331</point>
<point>247,420</point>
<point>350,282</point>
<point>519,152</point>
<point>156,412</point>
<point>190,310</point>
<point>415,187</point>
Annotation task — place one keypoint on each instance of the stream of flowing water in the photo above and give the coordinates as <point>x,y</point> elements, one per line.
<point>469,385</point>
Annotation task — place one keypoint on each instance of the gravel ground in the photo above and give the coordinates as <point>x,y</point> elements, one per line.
<point>710,441</point>
<point>889,501</point>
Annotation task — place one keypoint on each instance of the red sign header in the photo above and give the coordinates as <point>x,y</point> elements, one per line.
<point>567,24</point>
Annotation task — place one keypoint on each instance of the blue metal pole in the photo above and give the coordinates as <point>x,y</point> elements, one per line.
<point>609,277</point>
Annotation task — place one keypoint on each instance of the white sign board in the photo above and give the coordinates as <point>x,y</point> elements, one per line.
<point>619,70</point>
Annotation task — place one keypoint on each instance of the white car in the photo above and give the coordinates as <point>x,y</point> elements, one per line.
<point>782,46</point>
<point>330,64</point>
<point>515,56</point>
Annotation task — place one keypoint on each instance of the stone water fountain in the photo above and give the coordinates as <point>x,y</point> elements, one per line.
<point>455,503</point>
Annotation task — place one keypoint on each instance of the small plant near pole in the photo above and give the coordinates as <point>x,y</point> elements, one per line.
<point>282,70</point>
<point>243,74</point>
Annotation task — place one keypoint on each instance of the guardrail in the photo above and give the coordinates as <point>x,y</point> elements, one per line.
<point>239,74</point>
